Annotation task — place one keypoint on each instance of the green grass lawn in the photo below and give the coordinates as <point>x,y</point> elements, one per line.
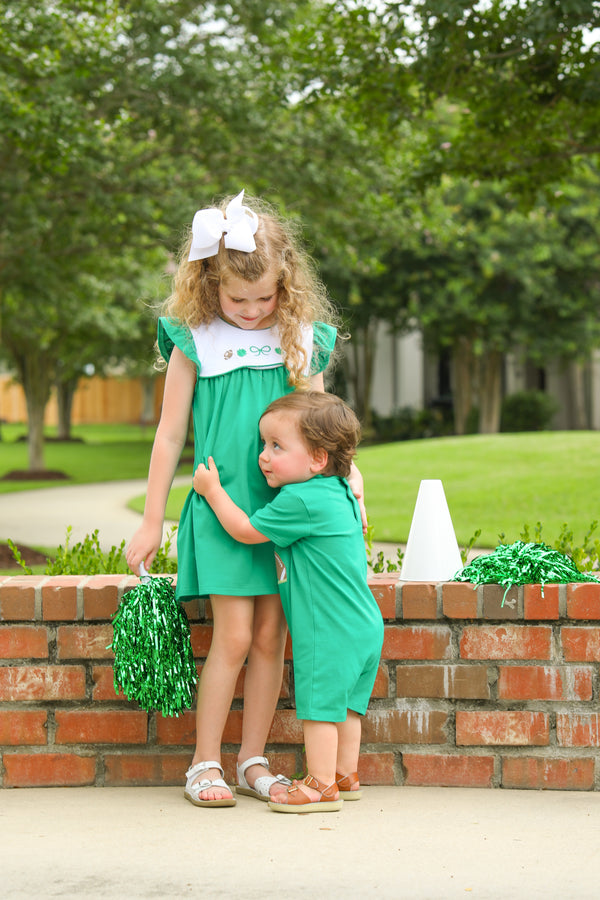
<point>97,453</point>
<point>496,483</point>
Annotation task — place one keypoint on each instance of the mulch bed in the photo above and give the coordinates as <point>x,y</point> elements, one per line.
<point>31,557</point>
<point>35,475</point>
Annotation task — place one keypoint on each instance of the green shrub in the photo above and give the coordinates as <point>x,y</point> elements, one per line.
<point>527,411</point>
<point>408,424</point>
<point>87,558</point>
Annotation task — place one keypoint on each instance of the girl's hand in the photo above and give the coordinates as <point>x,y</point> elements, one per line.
<point>206,479</point>
<point>143,547</point>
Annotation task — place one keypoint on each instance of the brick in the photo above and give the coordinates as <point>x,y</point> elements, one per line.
<point>580,643</point>
<point>23,726</point>
<point>17,597</point>
<point>48,770</point>
<point>406,726</point>
<point>499,603</point>
<point>506,642</point>
<point>445,770</point>
<point>101,596</point>
<point>376,768</point>
<point>201,636</point>
<point>545,683</point>
<point>101,727</point>
<point>193,609</point>
<point>84,641</point>
<point>578,729</point>
<point>144,770</point>
<point>583,600</point>
<point>59,598</point>
<point>42,683</point>
<point>104,688</point>
<point>381,688</point>
<point>180,730</point>
<point>536,606</point>
<point>459,682</point>
<point>286,728</point>
<point>419,600</point>
<point>537,773</point>
<point>383,587</point>
<point>459,600</point>
<point>232,733</point>
<point>23,642</point>
<point>417,642</point>
<point>499,727</point>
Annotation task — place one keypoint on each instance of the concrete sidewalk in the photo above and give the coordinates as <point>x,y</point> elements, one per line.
<point>40,517</point>
<point>397,842</point>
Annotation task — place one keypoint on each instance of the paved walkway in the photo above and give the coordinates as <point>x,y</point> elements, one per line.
<point>397,842</point>
<point>40,517</point>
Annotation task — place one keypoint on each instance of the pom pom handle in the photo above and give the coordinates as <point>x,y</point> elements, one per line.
<point>144,574</point>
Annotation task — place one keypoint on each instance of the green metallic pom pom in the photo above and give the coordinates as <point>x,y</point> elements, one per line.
<point>521,563</point>
<point>154,662</point>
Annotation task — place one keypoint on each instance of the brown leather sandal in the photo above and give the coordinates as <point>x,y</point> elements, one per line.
<point>298,802</point>
<point>346,784</point>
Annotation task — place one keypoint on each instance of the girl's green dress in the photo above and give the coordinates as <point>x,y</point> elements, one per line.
<point>238,374</point>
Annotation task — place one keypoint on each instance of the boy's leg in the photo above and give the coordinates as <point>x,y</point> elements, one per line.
<point>348,751</point>
<point>262,684</point>
<point>320,741</point>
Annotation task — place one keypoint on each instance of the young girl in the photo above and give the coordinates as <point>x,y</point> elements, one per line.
<point>336,627</point>
<point>247,322</point>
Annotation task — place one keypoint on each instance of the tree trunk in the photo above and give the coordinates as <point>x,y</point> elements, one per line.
<point>577,413</point>
<point>360,373</point>
<point>147,416</point>
<point>463,371</point>
<point>35,379</point>
<point>65,391</point>
<point>490,392</point>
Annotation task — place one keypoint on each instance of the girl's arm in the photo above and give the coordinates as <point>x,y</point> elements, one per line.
<point>233,519</point>
<point>169,441</point>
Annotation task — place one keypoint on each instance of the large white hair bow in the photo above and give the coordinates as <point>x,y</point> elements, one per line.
<point>239,226</point>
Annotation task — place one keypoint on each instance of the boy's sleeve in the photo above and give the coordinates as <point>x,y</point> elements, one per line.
<point>284,520</point>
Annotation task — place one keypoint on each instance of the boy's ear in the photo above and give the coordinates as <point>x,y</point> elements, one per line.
<point>320,459</point>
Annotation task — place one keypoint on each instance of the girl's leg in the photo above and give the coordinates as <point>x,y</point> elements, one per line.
<point>348,750</point>
<point>262,684</point>
<point>232,635</point>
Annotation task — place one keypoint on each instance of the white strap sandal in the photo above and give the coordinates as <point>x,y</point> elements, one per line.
<point>263,784</point>
<point>193,789</point>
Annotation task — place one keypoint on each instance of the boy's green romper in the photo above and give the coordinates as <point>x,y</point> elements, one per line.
<point>334,621</point>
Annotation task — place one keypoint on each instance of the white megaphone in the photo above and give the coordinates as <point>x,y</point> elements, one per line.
<point>432,552</point>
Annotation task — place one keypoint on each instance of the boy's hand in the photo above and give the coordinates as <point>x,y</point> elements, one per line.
<point>206,479</point>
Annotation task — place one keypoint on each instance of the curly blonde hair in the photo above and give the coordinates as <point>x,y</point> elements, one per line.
<point>302,298</point>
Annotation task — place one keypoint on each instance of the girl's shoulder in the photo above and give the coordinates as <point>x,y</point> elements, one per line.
<point>174,333</point>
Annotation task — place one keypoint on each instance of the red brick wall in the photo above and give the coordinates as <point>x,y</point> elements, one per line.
<point>470,692</point>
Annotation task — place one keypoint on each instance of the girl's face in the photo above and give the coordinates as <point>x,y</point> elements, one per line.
<point>249,304</point>
<point>285,458</point>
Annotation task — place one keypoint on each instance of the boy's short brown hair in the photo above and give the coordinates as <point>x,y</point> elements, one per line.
<point>325,422</point>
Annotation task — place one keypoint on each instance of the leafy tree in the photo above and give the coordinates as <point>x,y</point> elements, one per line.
<point>485,277</point>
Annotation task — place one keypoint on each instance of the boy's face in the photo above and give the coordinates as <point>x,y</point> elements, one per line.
<point>285,458</point>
